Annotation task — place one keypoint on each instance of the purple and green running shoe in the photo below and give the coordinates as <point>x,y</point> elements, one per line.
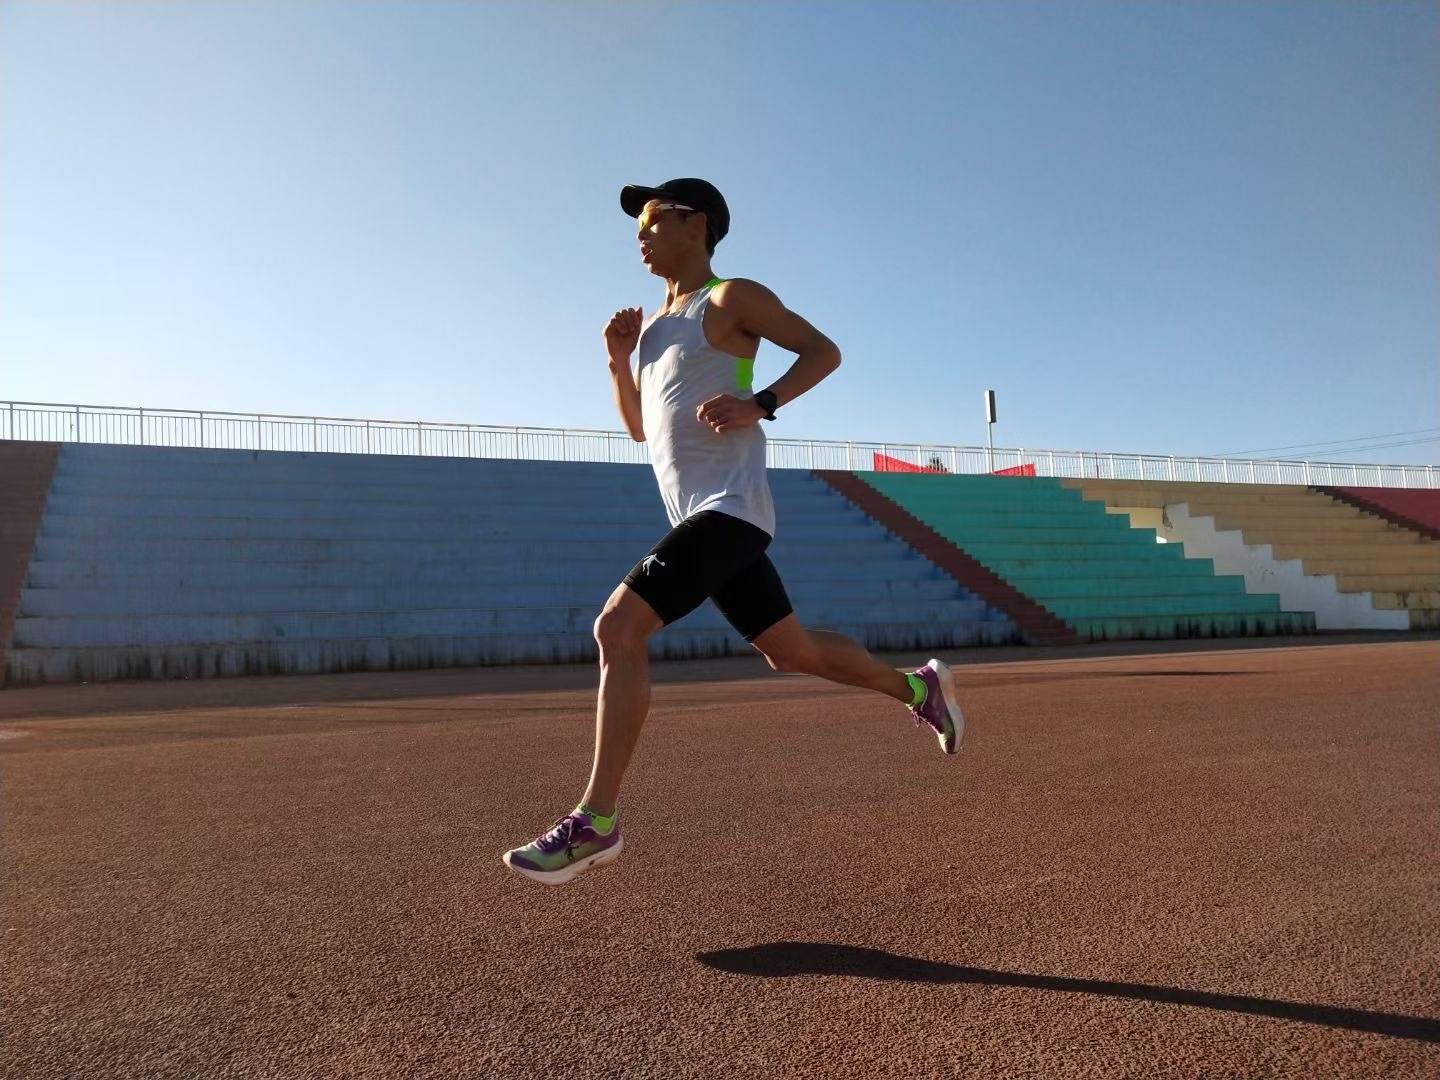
<point>940,711</point>
<point>572,846</point>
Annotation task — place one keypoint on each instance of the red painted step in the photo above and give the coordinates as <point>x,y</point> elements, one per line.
<point>25,472</point>
<point>1412,508</point>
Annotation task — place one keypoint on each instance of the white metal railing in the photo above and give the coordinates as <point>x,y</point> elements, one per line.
<point>40,421</point>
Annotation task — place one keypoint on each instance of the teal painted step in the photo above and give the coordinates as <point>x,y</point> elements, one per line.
<point>1105,564</point>
<point>1091,569</point>
<point>1191,585</point>
<point>1092,607</point>
<point>1158,627</point>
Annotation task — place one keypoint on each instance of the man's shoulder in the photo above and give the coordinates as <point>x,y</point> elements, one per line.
<point>739,291</point>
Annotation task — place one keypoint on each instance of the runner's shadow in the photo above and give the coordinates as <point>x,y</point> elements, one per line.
<point>791,958</point>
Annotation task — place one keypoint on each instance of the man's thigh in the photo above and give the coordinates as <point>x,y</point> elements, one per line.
<point>754,599</point>
<point>692,561</point>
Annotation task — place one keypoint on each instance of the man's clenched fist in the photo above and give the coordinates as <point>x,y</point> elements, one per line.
<point>726,413</point>
<point>622,334</point>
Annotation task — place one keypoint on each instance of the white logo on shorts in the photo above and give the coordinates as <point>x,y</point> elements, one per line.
<point>645,563</point>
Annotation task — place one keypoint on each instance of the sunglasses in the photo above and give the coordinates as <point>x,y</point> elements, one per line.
<point>652,214</point>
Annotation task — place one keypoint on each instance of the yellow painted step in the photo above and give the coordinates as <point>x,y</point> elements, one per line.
<point>1412,601</point>
<point>1315,527</point>
<point>1377,582</point>
<point>1368,566</point>
<point>1310,508</point>
<point>1164,492</point>
<point>1313,547</point>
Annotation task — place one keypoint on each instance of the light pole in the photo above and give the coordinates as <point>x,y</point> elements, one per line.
<point>990,431</point>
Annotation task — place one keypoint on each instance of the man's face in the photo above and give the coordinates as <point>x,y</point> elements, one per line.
<point>666,232</point>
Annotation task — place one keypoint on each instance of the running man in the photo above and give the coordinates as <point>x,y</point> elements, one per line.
<point>690,398</point>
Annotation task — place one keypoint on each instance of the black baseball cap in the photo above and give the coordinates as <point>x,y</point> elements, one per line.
<point>692,192</point>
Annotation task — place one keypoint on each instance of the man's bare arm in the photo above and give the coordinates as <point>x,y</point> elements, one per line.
<point>621,336</point>
<point>759,312</point>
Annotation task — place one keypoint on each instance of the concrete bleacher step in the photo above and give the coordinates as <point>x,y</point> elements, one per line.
<point>1060,588</point>
<point>66,549</point>
<point>201,599</point>
<point>519,530</point>
<point>1418,600</point>
<point>1401,558</point>
<point>1383,582</point>
<point>170,628</point>
<point>1305,524</point>
<point>1146,606</point>
<point>1195,625</point>
<point>794,565</point>
<point>214,659</point>
<point>118,495</point>
<point>1369,564</point>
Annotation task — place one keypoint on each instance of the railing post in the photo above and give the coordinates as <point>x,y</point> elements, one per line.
<point>10,405</point>
<point>367,436</point>
<point>850,456</point>
<point>1110,460</point>
<point>1252,471</point>
<point>517,443</point>
<point>419,438</point>
<point>1170,467</point>
<point>202,430</point>
<point>314,434</point>
<point>142,424</point>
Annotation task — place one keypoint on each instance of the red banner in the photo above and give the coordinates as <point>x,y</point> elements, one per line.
<point>886,463</point>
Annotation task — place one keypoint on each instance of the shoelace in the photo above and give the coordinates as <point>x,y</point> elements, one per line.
<point>559,835</point>
<point>919,714</point>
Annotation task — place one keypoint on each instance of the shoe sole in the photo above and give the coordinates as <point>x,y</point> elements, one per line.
<point>565,874</point>
<point>946,678</point>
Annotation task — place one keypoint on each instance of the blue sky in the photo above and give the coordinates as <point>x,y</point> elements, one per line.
<point>1167,227</point>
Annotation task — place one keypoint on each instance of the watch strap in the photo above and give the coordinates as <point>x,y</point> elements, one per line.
<point>766,400</point>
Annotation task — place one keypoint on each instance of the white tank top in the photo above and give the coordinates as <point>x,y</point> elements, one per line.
<point>697,469</point>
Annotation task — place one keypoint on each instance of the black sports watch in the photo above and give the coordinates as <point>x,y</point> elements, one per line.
<point>766,400</point>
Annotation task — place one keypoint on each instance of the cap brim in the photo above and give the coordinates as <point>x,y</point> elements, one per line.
<point>633,198</point>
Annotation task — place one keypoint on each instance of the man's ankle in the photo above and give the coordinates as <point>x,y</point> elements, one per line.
<point>603,822</point>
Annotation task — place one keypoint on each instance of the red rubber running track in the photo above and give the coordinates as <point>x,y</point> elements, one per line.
<point>1172,863</point>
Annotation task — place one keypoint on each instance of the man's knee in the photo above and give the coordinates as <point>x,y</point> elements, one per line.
<point>615,632</point>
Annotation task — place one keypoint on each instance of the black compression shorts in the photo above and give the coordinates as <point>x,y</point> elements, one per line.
<point>717,556</point>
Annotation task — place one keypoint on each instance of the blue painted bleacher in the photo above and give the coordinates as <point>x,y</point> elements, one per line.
<point>166,562</point>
